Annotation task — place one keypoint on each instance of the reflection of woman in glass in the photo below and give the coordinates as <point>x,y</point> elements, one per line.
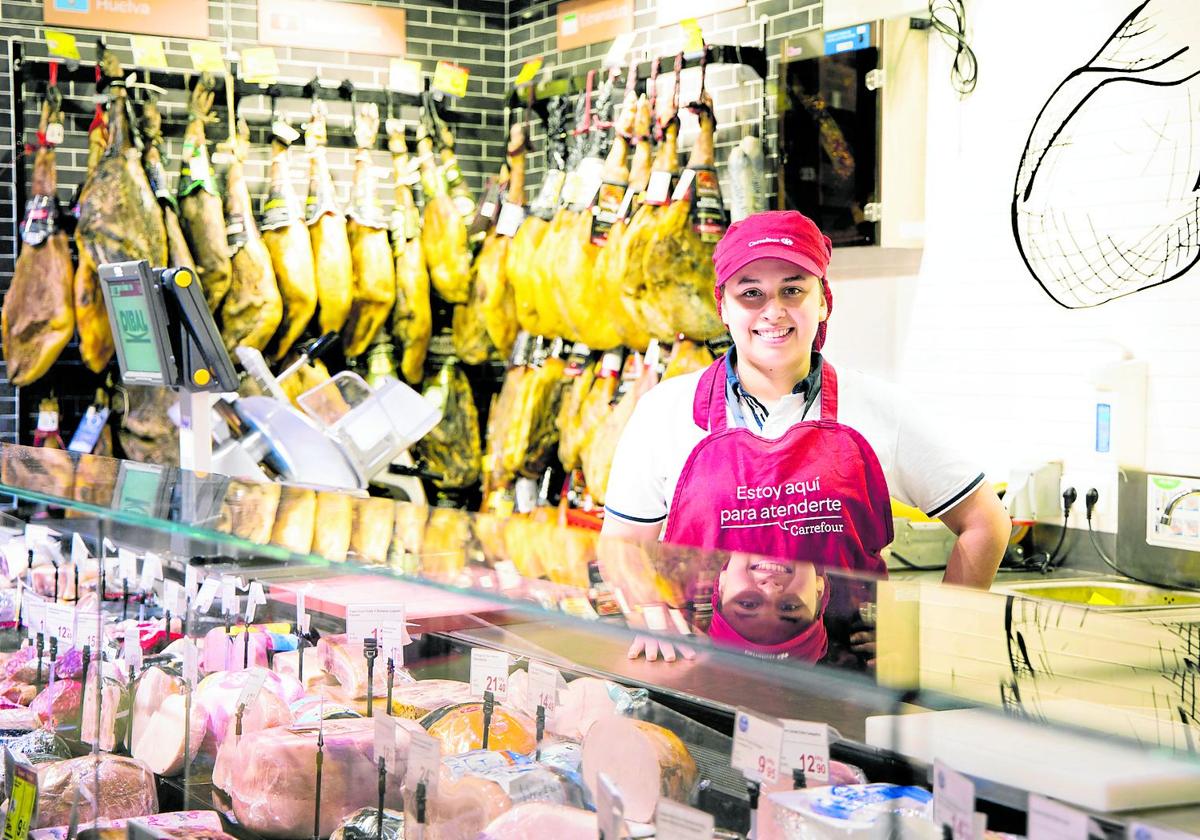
<point>773,609</point>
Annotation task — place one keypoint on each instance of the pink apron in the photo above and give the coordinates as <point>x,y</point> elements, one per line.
<point>816,494</point>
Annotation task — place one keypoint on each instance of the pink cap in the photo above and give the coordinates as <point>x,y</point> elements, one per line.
<point>780,235</point>
<point>807,646</point>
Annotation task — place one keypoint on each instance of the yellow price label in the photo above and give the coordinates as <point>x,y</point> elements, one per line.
<point>528,70</point>
<point>62,45</point>
<point>21,803</point>
<point>148,52</point>
<point>450,78</point>
<point>206,57</point>
<point>259,65</point>
<point>693,38</point>
<point>404,76</point>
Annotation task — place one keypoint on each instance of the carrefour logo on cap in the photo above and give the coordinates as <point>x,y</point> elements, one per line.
<point>781,240</point>
<point>71,5</point>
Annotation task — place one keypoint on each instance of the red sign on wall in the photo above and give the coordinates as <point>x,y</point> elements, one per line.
<point>174,18</point>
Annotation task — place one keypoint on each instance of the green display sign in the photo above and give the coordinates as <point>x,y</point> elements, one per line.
<point>131,312</point>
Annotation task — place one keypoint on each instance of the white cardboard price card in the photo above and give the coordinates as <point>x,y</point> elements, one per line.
<point>189,662</point>
<point>33,613</point>
<point>207,594</point>
<point>60,623</point>
<point>229,596</point>
<point>108,547</point>
<point>300,614</point>
<point>1050,820</point>
<point>131,650</point>
<point>543,686</point>
<point>36,535</point>
<point>89,630</point>
<point>79,551</point>
<point>757,744</point>
<point>191,581</point>
<point>127,564</point>
<point>385,741</point>
<point>676,821</point>
<point>610,809</point>
<point>173,600</point>
<point>255,599</point>
<point>152,570</point>
<point>254,685</point>
<point>424,761</point>
<point>954,801</point>
<point>489,672</point>
<point>805,747</point>
<point>1142,831</point>
<point>384,622</point>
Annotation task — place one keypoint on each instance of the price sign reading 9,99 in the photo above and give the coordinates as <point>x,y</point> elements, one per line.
<point>757,744</point>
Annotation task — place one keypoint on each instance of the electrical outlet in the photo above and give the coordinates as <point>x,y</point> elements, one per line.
<point>1083,478</point>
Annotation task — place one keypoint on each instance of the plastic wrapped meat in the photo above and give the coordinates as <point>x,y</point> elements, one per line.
<point>425,696</point>
<point>344,661</point>
<point>287,663</point>
<point>644,761</point>
<point>125,789</point>
<point>541,819</point>
<point>191,824</point>
<point>580,704</point>
<point>460,729</point>
<point>106,683</point>
<point>371,534</point>
<point>335,524</point>
<point>22,666</point>
<point>311,708</point>
<point>19,693</point>
<point>159,715</point>
<point>18,720</point>
<point>364,825</point>
<point>59,706</point>
<point>217,695</point>
<point>270,776</point>
<point>226,652</point>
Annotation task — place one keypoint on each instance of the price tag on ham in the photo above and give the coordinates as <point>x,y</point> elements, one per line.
<point>79,552</point>
<point>610,809</point>
<point>33,613</point>
<point>806,748</point>
<point>404,76</point>
<point>684,184</point>
<point>659,187</point>
<point>89,630</point>
<point>207,594</point>
<point>254,685</point>
<point>148,52</point>
<point>511,216</point>
<point>127,564</point>
<point>37,536</point>
<point>385,741</point>
<point>229,597</point>
<point>954,801</point>
<point>189,662</point>
<point>1050,820</point>
<point>757,744</point>
<point>424,761</point>
<point>152,570</point>
<point>489,672</point>
<point>131,649</point>
<point>60,624</point>
<point>1142,831</point>
<point>255,599</point>
<point>191,581</point>
<point>676,821</point>
<point>173,600</point>
<point>543,686</point>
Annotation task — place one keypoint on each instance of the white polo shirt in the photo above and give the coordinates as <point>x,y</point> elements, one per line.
<point>922,468</point>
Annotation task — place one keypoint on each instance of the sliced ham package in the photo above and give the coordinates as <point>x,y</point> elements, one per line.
<point>125,789</point>
<point>270,776</point>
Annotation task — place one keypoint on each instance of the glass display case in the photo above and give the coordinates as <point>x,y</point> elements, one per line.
<point>275,661</point>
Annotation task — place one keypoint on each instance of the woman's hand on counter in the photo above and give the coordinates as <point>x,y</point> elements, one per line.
<point>652,647</point>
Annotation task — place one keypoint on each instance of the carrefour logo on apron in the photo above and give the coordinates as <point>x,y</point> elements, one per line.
<point>800,508</point>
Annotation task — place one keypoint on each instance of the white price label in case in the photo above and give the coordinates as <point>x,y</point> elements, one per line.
<point>33,613</point>
<point>173,599</point>
<point>229,596</point>
<point>511,216</point>
<point>191,581</point>
<point>543,686</point>
<point>1050,820</point>
<point>152,570</point>
<point>805,748</point>
<point>127,564</point>
<point>954,801</point>
<point>36,535</point>
<point>757,744</point>
<point>79,551</point>
<point>255,599</point>
<point>385,741</point>
<point>60,623</point>
<point>424,761</point>
<point>89,630</point>
<point>207,594</point>
<point>1142,831</point>
<point>189,662</point>
<point>383,622</point>
<point>254,685</point>
<point>131,650</point>
<point>676,821</point>
<point>610,809</point>
<point>489,672</point>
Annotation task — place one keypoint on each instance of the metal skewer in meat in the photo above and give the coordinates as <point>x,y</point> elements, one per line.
<point>370,249</point>
<point>327,228</point>
<point>412,319</point>
<point>38,316</point>
<point>253,308</point>
<point>200,202</point>
<point>290,247</point>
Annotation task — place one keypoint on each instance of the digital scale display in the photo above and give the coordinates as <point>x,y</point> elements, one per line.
<point>132,315</point>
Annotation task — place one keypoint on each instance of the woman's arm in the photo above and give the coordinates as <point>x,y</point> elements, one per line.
<point>983,528</point>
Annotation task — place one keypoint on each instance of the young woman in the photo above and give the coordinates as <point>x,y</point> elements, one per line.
<point>772,451</point>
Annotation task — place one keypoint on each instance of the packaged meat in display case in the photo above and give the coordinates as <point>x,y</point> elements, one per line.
<point>500,683</point>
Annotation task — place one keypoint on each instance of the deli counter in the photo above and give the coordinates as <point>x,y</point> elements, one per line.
<point>186,654</point>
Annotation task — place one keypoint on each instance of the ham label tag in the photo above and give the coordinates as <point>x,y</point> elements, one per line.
<point>152,570</point>
<point>229,597</point>
<point>676,821</point>
<point>806,748</point>
<point>79,552</point>
<point>132,648</point>
<point>1050,820</point>
<point>954,802</point>
<point>385,741</point>
<point>37,535</point>
<point>189,662</point>
<point>206,595</point>
<point>89,630</point>
<point>543,686</point>
<point>127,564</point>
<point>254,600</point>
<point>610,809</point>
<point>33,612</point>
<point>252,688</point>
<point>173,598</point>
<point>424,761</point>
<point>60,623</point>
<point>757,743</point>
<point>489,672</point>
<point>384,622</point>
<point>191,581</point>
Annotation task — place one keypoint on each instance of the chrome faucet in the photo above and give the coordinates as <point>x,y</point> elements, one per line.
<point>1169,510</point>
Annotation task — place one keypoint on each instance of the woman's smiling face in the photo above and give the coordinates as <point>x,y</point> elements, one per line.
<point>772,309</point>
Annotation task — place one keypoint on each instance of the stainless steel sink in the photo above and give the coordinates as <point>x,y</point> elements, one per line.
<point>1110,594</point>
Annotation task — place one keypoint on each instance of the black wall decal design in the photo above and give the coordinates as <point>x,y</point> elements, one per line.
<point>1107,196</point>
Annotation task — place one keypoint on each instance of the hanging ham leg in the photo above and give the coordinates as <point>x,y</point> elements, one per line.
<point>290,246</point>
<point>327,228</point>
<point>200,202</point>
